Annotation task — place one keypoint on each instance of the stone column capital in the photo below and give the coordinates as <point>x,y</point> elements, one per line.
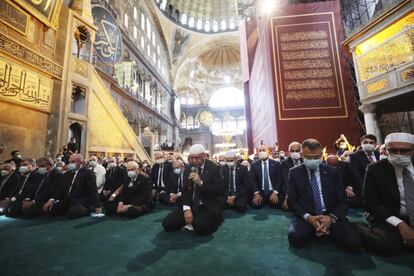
<point>367,108</point>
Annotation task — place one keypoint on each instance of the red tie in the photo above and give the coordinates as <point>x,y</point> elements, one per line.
<point>370,158</point>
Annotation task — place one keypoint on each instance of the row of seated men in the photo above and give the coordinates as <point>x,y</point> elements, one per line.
<point>201,190</point>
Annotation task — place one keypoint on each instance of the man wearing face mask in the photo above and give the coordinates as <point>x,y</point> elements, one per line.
<point>318,203</point>
<point>160,174</point>
<point>388,197</point>
<point>134,199</point>
<point>175,185</point>
<point>221,160</point>
<point>383,152</point>
<point>294,159</point>
<point>99,171</point>
<point>358,161</point>
<point>266,181</point>
<point>236,182</point>
<point>115,177</point>
<point>78,196</point>
<point>31,180</point>
<point>10,183</point>
<point>201,191</point>
<point>34,205</point>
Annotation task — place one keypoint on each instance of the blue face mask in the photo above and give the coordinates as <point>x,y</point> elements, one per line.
<point>312,164</point>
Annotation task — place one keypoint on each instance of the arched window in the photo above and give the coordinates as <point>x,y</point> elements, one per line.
<point>143,22</point>
<point>217,125</point>
<point>183,121</point>
<point>190,101</point>
<point>190,122</point>
<point>135,13</point>
<point>232,25</point>
<point>199,24</point>
<point>191,22</point>
<point>241,123</point>
<point>126,20</point>
<point>135,32</point>
<point>215,26</point>
<point>142,42</point>
<point>207,26</point>
<point>223,25</point>
<point>227,97</point>
<point>230,123</point>
<point>184,19</point>
<point>148,29</point>
<point>163,5</point>
<point>183,100</point>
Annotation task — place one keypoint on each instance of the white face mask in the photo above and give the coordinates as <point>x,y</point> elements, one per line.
<point>24,169</point>
<point>222,163</point>
<point>263,155</point>
<point>347,159</point>
<point>160,161</point>
<point>111,165</point>
<point>59,169</point>
<point>399,160</point>
<point>295,155</point>
<point>230,164</point>
<point>93,163</point>
<point>145,165</point>
<point>43,170</point>
<point>368,147</point>
<point>177,171</point>
<point>132,174</point>
<point>312,164</point>
<point>71,166</point>
<point>4,173</point>
<point>383,156</point>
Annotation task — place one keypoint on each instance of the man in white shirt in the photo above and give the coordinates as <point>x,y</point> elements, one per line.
<point>99,171</point>
<point>388,197</point>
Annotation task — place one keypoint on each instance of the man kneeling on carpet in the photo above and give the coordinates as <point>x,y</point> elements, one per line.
<point>78,195</point>
<point>201,209</point>
<point>316,197</point>
<point>133,199</point>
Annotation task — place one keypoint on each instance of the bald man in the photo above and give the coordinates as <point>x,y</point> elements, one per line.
<point>202,188</point>
<point>78,195</point>
<point>133,199</point>
<point>266,181</point>
<point>294,159</point>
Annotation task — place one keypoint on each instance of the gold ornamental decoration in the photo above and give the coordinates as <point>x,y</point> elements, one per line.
<point>46,11</point>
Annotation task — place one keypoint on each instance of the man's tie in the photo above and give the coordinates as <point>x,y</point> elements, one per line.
<point>316,193</point>
<point>73,181</point>
<point>408,183</point>
<point>266,187</point>
<point>180,185</point>
<point>231,181</point>
<point>40,186</point>
<point>160,177</point>
<point>370,159</point>
<point>24,183</point>
<point>4,182</point>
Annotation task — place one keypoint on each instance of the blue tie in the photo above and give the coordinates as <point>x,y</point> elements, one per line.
<point>316,194</point>
<point>231,182</point>
<point>266,179</point>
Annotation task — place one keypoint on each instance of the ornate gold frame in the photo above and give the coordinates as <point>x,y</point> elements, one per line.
<point>51,22</point>
<point>22,11</point>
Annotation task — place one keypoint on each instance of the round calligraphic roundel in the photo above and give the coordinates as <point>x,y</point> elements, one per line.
<point>206,118</point>
<point>108,40</point>
<point>177,109</point>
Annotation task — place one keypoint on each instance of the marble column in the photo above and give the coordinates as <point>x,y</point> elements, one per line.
<point>371,121</point>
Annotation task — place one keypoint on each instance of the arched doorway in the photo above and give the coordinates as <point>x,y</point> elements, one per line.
<point>75,131</point>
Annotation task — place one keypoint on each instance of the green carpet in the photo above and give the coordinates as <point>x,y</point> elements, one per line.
<point>251,244</point>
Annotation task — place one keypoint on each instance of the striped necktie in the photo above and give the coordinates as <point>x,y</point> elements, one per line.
<point>316,193</point>
<point>408,183</point>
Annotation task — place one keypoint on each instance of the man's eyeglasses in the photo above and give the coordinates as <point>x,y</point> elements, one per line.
<point>400,151</point>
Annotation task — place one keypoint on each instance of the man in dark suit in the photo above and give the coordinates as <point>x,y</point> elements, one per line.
<point>236,182</point>
<point>34,204</point>
<point>388,197</point>
<point>294,159</point>
<point>115,177</point>
<point>160,175</point>
<point>31,179</point>
<point>10,182</point>
<point>78,195</point>
<point>175,183</point>
<point>135,198</point>
<point>266,181</point>
<point>359,160</point>
<point>318,202</point>
<point>203,186</point>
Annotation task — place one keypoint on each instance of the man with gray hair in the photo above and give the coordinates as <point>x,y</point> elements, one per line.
<point>388,197</point>
<point>78,196</point>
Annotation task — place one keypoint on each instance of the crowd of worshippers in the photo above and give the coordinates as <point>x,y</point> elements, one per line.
<point>318,192</point>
